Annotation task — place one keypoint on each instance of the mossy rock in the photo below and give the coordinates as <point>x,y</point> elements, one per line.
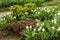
<point>19,26</point>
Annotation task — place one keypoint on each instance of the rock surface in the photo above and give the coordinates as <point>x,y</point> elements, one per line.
<point>19,26</point>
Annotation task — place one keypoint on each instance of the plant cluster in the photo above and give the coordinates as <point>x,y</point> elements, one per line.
<point>5,20</point>
<point>46,30</point>
<point>18,11</point>
<point>48,26</point>
<point>31,11</point>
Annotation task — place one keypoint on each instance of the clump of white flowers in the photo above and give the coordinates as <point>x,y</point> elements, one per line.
<point>53,27</point>
<point>55,14</point>
<point>26,12</point>
<point>10,16</point>
<point>54,21</point>
<point>14,17</point>
<point>8,13</point>
<point>44,8</point>
<point>4,19</point>
<point>43,29</point>
<point>38,13</point>
<point>29,27</point>
<point>48,10</point>
<point>42,24</point>
<point>37,20</point>
<point>38,24</point>
<point>34,29</point>
<point>58,29</point>
<point>58,12</point>
<point>34,10</point>
<point>39,28</point>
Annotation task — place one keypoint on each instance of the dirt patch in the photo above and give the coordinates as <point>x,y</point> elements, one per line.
<point>3,36</point>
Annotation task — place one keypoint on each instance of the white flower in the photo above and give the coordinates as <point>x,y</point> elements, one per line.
<point>32,10</point>
<point>26,12</point>
<point>30,27</point>
<point>55,19</point>
<point>52,21</point>
<point>10,16</point>
<point>4,19</point>
<point>35,10</point>
<point>53,27</point>
<point>27,27</point>
<point>36,20</point>
<point>37,24</point>
<point>48,10</point>
<point>58,12</point>
<point>55,14</point>
<point>38,12</point>
<point>42,24</point>
<point>39,29</point>
<point>55,22</point>
<point>45,10</point>
<point>34,29</point>
<point>14,17</point>
<point>43,29</point>
<point>58,29</point>
<point>8,13</point>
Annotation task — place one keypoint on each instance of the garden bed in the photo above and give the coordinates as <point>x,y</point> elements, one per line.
<point>31,22</point>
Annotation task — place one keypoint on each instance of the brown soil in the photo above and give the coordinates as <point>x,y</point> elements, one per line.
<point>9,37</point>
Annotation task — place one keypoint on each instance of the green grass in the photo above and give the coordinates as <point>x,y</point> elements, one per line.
<point>52,3</point>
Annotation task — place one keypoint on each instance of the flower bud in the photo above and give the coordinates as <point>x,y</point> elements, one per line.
<point>30,27</point>
<point>27,27</point>
<point>43,29</point>
<point>34,29</point>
